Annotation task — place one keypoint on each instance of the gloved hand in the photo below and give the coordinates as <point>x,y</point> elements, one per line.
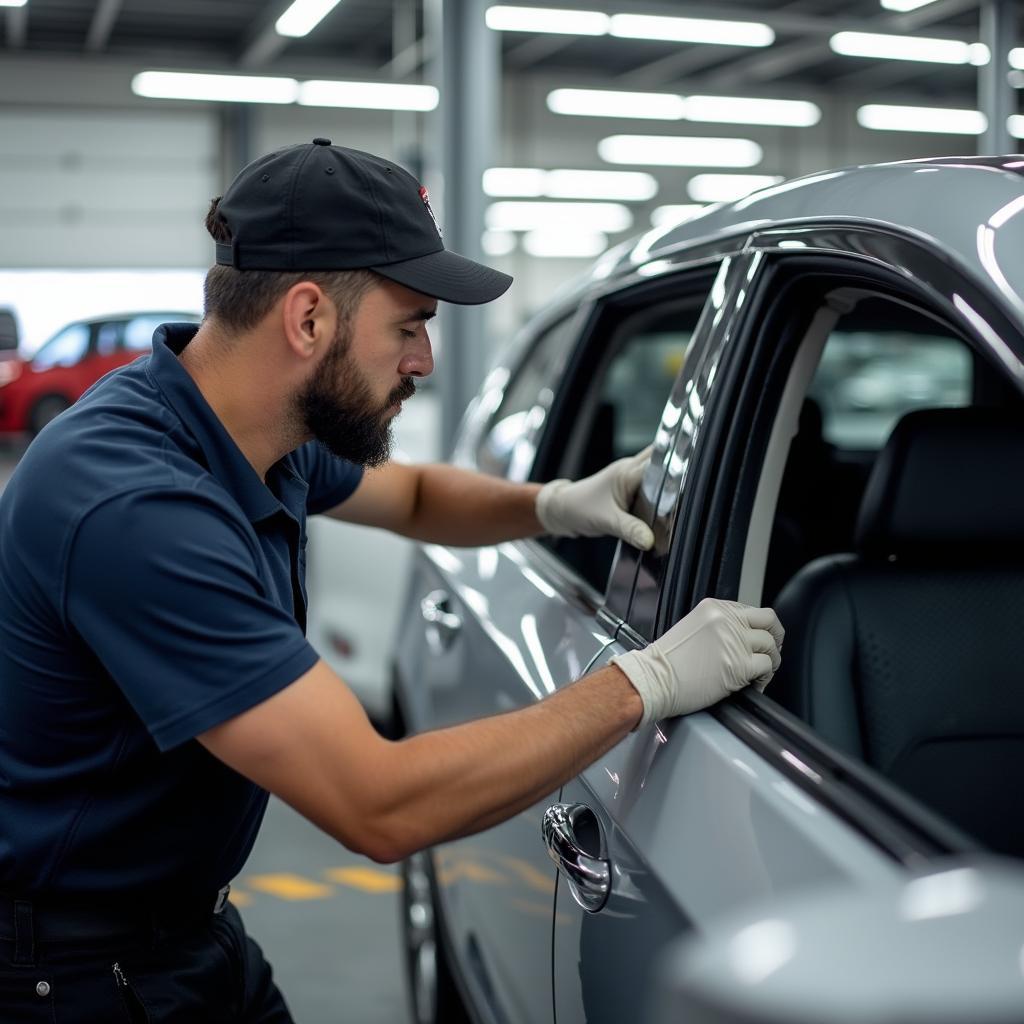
<point>597,505</point>
<point>716,649</point>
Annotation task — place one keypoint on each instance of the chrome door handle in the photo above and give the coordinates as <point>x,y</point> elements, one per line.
<point>575,842</point>
<point>442,623</point>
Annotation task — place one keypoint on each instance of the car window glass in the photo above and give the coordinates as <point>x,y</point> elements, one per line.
<point>107,337</point>
<point>63,349</point>
<point>526,399</point>
<point>869,377</point>
<point>619,413</point>
<point>138,333</point>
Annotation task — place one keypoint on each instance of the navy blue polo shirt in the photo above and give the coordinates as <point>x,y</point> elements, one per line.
<point>151,587</point>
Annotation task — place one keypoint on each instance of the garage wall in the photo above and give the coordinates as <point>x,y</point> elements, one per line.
<point>105,188</point>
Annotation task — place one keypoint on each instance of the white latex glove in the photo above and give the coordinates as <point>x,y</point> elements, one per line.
<point>597,506</point>
<point>716,649</point>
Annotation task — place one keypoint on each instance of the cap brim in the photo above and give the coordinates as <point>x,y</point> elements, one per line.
<point>449,277</point>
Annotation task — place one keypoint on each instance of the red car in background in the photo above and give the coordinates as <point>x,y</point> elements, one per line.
<point>34,391</point>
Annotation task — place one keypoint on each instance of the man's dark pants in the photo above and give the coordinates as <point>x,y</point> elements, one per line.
<point>207,971</point>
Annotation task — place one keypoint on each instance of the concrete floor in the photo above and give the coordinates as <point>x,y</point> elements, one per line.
<point>326,919</point>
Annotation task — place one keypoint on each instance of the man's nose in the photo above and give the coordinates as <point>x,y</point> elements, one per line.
<point>418,361</point>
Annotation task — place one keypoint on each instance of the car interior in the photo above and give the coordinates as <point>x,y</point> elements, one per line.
<point>895,564</point>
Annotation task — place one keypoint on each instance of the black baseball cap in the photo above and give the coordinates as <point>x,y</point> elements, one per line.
<point>317,206</point>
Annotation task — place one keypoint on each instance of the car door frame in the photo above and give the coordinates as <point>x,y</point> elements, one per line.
<point>884,259</point>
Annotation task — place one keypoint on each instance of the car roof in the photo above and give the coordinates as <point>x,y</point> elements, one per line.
<point>969,208</point>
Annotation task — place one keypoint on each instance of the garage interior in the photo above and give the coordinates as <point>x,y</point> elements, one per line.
<point>523,123</point>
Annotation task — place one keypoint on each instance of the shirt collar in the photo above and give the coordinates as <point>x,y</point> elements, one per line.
<point>223,457</point>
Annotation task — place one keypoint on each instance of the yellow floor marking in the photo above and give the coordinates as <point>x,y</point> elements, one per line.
<point>367,879</point>
<point>289,887</point>
<point>472,870</point>
<point>533,877</point>
<point>239,898</point>
<point>533,909</point>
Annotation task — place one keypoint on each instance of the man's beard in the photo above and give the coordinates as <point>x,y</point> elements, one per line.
<point>337,407</point>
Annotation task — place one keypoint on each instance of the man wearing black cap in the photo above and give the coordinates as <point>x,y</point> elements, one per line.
<point>155,678</point>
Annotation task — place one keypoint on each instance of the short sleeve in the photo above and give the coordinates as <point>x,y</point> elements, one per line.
<point>331,480</point>
<point>164,589</point>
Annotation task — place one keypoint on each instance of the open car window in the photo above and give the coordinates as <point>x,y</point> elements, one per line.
<point>617,395</point>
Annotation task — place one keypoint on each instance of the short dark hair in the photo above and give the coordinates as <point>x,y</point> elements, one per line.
<point>240,299</point>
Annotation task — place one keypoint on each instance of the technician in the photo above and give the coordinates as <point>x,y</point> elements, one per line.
<point>155,679</point>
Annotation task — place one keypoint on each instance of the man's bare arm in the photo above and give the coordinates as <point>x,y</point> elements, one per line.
<point>312,745</point>
<point>442,504</point>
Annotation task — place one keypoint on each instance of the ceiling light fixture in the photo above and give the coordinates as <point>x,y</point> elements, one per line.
<point>740,110</point>
<point>692,30</point>
<point>1015,124</point>
<point>889,47</point>
<point>562,183</point>
<point>177,85</point>
<point>368,95</point>
<point>558,244</point>
<point>541,216</point>
<point>664,106</point>
<point>941,120</point>
<point>905,5</point>
<point>675,213</point>
<point>547,19</point>
<point>679,151</point>
<point>1017,58</point>
<point>725,188</point>
<point>303,16</point>
<point>496,243</point>
<point>13,3</point>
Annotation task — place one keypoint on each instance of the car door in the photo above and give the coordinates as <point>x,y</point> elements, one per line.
<point>506,625</point>
<point>692,818</point>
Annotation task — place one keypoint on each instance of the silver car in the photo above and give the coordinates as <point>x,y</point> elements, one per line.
<point>762,348</point>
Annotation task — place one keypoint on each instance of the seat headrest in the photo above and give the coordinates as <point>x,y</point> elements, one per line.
<point>947,477</point>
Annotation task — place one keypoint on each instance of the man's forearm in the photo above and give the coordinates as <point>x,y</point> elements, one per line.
<point>466,509</point>
<point>456,781</point>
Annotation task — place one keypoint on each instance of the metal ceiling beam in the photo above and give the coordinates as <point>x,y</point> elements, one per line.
<point>263,42</point>
<point>536,49</point>
<point>679,65</point>
<point>17,27</point>
<point>102,25</point>
<point>406,61</point>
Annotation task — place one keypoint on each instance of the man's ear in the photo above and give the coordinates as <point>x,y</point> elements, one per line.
<point>309,319</point>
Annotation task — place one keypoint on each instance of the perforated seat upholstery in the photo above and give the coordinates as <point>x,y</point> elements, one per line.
<point>908,653</point>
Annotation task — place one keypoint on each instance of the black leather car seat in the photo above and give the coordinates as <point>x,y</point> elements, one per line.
<point>908,653</point>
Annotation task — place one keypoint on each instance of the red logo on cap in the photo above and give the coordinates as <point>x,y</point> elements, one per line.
<point>425,196</point>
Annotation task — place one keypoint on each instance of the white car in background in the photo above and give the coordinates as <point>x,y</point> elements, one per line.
<point>357,575</point>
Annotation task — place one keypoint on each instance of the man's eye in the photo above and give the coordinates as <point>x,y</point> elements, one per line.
<point>407,333</point>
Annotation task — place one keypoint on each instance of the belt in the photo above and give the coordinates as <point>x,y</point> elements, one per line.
<point>49,921</point>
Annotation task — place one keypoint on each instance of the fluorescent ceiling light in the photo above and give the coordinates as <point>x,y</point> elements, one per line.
<point>13,3</point>
<point>569,184</point>
<point>739,110</point>
<point>547,19</point>
<point>675,213</point>
<point>1015,124</point>
<point>571,245</point>
<point>679,151</point>
<point>889,47</point>
<point>540,216</point>
<point>1017,58</point>
<point>497,243</point>
<point>663,106</point>
<point>368,95</point>
<point>692,30</point>
<point>174,85</point>
<point>303,16</point>
<point>886,118</point>
<point>514,181</point>
<point>905,5</point>
<point>724,188</point>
